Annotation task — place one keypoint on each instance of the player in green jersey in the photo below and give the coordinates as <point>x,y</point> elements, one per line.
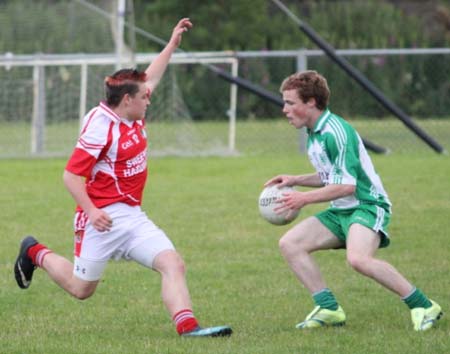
<point>358,216</point>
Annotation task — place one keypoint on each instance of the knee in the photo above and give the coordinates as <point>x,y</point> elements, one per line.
<point>83,294</point>
<point>358,262</point>
<point>289,246</point>
<point>284,245</point>
<point>177,265</point>
<point>170,263</point>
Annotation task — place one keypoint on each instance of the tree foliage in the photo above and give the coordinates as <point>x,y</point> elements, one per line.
<point>260,24</point>
<point>57,26</point>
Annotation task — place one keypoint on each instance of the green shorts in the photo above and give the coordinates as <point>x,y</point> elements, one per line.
<point>338,221</point>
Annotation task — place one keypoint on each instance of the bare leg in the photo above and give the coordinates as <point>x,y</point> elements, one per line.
<point>362,244</point>
<point>60,271</point>
<point>174,290</point>
<point>297,245</point>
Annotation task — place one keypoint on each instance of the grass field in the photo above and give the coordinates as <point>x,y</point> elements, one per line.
<point>208,206</point>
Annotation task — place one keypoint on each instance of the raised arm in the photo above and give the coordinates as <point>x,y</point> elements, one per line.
<point>158,66</point>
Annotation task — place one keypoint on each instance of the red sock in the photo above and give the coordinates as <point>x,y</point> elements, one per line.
<point>185,321</point>
<point>37,254</point>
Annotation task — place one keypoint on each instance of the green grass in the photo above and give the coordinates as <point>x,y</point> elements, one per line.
<point>208,206</point>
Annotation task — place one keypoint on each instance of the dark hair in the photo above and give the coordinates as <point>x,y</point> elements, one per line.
<point>122,82</point>
<point>308,84</point>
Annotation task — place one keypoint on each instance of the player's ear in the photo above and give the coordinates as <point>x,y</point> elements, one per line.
<point>311,102</point>
<point>126,98</point>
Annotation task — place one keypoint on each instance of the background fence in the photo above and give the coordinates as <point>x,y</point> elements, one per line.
<point>194,112</point>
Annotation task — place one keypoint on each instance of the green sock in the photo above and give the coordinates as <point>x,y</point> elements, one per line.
<point>325,299</point>
<point>417,299</point>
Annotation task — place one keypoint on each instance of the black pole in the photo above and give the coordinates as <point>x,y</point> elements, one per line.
<point>270,96</point>
<point>362,80</point>
<point>371,88</point>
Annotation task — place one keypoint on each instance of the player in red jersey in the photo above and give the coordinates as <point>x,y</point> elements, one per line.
<point>106,175</point>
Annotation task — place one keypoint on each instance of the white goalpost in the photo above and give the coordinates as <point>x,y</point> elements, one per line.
<point>64,87</point>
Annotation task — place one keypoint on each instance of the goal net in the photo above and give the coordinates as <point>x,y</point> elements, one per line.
<point>43,105</point>
<point>43,96</point>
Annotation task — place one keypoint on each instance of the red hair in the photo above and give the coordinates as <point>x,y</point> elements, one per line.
<point>122,82</point>
<point>122,76</point>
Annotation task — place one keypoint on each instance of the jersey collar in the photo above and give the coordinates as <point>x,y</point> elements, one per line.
<point>109,112</point>
<point>321,120</point>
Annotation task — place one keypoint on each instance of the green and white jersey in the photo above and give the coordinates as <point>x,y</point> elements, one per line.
<point>337,153</point>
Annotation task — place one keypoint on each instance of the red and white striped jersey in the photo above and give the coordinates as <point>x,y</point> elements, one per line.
<point>112,154</point>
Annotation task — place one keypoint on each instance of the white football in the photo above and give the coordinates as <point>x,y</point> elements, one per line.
<point>268,201</point>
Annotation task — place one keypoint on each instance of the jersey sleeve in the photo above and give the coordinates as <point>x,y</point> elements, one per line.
<point>81,163</point>
<point>344,158</point>
<point>93,139</point>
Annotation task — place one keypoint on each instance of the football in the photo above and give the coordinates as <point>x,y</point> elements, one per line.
<point>268,201</point>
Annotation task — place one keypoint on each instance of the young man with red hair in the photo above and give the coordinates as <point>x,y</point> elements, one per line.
<point>358,216</point>
<point>106,175</point>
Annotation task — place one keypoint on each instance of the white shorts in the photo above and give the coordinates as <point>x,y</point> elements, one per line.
<point>133,236</point>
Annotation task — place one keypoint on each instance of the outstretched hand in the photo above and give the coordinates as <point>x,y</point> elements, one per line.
<point>281,181</point>
<point>182,26</point>
<point>291,201</point>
